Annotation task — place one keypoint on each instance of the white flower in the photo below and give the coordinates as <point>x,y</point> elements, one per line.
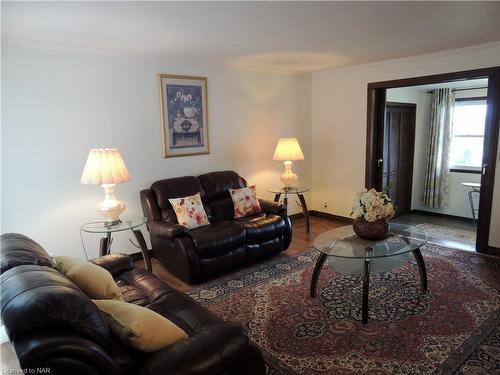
<point>370,216</point>
<point>373,205</point>
<point>366,199</point>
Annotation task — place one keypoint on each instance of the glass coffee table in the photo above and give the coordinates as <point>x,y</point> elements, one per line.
<point>348,253</point>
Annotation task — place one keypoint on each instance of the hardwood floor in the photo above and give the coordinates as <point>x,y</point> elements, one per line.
<point>300,241</point>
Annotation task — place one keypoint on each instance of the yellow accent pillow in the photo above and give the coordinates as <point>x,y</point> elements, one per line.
<point>140,327</point>
<point>94,281</point>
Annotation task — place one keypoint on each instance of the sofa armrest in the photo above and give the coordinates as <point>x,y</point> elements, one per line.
<point>150,205</point>
<point>114,263</point>
<point>274,208</point>
<point>63,353</point>
<point>209,351</point>
<point>166,231</point>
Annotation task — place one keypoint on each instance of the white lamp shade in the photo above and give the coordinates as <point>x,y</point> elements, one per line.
<point>288,149</point>
<point>104,166</point>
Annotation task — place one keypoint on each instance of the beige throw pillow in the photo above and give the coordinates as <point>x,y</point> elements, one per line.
<point>93,280</point>
<point>189,211</point>
<point>245,201</point>
<point>140,327</point>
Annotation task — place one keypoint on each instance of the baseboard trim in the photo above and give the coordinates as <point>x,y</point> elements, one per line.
<point>326,215</point>
<point>297,216</point>
<point>438,214</point>
<point>494,251</point>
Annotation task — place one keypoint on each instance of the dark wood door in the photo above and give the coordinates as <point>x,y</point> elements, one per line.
<point>398,145</point>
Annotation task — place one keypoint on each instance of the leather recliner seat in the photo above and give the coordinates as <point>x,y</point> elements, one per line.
<point>227,243</point>
<point>53,325</point>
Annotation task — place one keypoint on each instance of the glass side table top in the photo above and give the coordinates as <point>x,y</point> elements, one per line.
<point>289,190</point>
<point>344,243</point>
<point>128,222</point>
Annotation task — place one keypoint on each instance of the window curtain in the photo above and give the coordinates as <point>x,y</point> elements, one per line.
<point>438,151</point>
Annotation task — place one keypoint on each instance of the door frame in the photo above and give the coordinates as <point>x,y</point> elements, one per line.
<point>413,119</point>
<point>376,98</point>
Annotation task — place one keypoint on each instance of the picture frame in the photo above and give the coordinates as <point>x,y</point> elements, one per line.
<point>184,115</point>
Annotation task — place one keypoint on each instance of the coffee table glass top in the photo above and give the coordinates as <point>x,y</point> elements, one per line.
<point>289,190</point>
<point>344,243</point>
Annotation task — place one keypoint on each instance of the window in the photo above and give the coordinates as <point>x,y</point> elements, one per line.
<point>468,134</point>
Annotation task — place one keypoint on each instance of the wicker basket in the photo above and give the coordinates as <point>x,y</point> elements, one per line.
<point>375,230</point>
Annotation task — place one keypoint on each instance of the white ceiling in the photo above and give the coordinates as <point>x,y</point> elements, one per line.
<point>287,36</point>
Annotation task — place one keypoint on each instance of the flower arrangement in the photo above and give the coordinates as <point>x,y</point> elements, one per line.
<point>373,205</point>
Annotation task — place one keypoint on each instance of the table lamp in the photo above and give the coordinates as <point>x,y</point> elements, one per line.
<point>105,167</point>
<point>288,149</point>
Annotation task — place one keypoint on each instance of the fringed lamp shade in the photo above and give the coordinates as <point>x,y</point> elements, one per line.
<point>104,166</point>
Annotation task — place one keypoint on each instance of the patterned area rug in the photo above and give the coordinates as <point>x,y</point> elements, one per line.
<point>453,328</point>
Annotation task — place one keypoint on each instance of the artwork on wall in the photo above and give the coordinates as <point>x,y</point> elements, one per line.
<point>184,115</point>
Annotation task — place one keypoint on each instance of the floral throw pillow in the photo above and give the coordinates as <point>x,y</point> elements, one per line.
<point>190,211</point>
<point>245,201</point>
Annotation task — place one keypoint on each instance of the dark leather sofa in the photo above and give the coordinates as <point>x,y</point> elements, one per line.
<point>55,328</point>
<point>224,245</point>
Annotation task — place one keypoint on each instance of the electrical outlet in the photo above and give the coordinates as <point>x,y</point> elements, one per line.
<point>325,205</point>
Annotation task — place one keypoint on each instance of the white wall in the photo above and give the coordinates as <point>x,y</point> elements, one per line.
<point>339,122</point>
<point>56,105</point>
<point>458,200</point>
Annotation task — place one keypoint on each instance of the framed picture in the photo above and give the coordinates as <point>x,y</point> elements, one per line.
<point>184,114</point>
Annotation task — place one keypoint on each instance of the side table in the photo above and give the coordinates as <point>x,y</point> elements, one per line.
<point>131,223</point>
<point>298,191</point>
<point>474,188</point>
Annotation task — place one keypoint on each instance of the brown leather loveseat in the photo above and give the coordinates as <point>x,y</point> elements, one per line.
<point>224,245</point>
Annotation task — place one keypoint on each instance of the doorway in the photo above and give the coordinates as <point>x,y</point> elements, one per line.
<point>387,166</point>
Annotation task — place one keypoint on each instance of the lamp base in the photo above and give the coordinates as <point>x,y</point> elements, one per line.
<point>111,208</point>
<point>108,224</point>
<point>288,178</point>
